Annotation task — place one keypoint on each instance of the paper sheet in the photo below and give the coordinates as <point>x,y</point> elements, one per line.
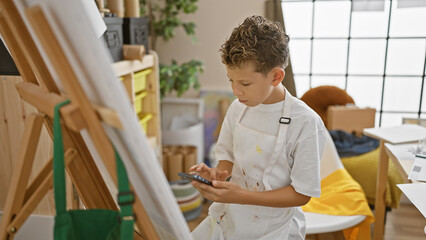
<point>411,3</point>
<point>416,193</point>
<point>397,134</point>
<point>418,171</point>
<point>368,5</point>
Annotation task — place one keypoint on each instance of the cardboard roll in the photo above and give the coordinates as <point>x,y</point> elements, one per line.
<point>177,159</point>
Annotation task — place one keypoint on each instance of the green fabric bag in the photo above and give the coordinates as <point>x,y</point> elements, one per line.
<point>92,224</point>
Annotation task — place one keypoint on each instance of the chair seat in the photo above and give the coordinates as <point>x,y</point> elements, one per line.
<point>322,223</point>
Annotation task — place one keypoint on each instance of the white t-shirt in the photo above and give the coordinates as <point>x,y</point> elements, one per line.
<point>305,140</point>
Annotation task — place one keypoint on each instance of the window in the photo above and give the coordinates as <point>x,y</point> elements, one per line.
<point>378,57</point>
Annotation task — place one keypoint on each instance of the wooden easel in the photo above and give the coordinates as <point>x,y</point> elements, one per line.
<point>40,90</point>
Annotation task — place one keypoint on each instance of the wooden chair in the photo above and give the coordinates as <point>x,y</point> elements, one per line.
<point>317,224</point>
<point>363,168</point>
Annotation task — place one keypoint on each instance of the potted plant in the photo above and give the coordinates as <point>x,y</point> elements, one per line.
<point>164,19</point>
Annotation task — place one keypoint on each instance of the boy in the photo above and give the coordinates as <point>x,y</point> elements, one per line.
<point>270,144</point>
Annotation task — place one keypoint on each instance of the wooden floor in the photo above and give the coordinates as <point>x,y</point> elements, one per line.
<point>404,223</point>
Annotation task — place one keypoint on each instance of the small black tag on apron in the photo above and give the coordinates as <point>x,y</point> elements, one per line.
<point>285,120</point>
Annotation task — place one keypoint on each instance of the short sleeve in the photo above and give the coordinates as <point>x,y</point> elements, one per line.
<point>224,146</point>
<point>305,173</point>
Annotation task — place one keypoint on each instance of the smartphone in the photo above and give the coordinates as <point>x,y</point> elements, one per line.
<point>195,177</point>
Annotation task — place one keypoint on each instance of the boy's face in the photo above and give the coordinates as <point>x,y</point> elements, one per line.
<point>253,88</point>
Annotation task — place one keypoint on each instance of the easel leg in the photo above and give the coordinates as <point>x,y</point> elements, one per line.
<point>143,221</point>
<point>380,203</point>
<point>16,52</point>
<point>28,59</point>
<point>16,194</point>
<point>38,194</point>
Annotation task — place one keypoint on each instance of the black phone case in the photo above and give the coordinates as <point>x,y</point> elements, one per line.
<point>194,177</point>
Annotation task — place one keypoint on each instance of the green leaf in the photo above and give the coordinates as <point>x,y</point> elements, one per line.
<point>179,77</point>
<point>190,8</point>
<point>189,28</point>
<point>166,18</point>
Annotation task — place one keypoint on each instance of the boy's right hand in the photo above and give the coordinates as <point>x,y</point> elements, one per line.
<point>209,173</point>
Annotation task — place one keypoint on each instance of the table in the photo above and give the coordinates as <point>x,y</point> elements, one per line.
<point>394,135</point>
<point>403,160</point>
<point>401,157</point>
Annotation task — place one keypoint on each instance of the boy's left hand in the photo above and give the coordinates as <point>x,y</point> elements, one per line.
<point>224,192</point>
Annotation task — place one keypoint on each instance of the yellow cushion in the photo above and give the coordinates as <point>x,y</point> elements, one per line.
<point>363,168</point>
<point>342,196</point>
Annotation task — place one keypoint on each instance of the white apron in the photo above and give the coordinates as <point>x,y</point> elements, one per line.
<point>256,154</point>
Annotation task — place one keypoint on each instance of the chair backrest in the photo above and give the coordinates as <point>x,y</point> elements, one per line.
<point>341,206</point>
<point>319,98</point>
<point>330,160</point>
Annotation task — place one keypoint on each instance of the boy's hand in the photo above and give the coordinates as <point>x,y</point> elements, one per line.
<point>202,170</point>
<point>217,174</point>
<point>224,192</point>
<point>209,173</point>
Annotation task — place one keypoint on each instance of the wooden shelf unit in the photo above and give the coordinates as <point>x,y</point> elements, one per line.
<point>127,70</point>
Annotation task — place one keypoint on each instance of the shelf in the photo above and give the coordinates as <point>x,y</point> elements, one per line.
<point>125,67</point>
<point>141,80</point>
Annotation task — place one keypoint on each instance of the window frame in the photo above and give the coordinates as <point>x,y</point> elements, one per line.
<point>380,112</point>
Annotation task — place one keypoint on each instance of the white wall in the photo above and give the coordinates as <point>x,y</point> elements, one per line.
<point>215,20</point>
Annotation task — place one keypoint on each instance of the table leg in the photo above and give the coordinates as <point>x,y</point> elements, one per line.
<point>380,203</point>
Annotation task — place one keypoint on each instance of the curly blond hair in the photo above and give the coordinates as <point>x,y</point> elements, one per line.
<point>256,39</point>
